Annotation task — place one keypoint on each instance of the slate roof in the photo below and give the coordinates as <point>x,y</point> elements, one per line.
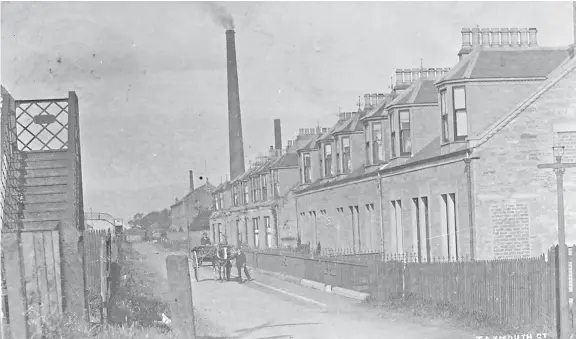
<point>286,160</point>
<point>422,91</point>
<point>491,62</point>
<point>207,186</point>
<point>201,221</point>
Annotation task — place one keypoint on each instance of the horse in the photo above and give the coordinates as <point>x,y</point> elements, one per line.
<point>222,258</point>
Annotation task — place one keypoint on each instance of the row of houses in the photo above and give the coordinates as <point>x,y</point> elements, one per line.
<point>445,164</point>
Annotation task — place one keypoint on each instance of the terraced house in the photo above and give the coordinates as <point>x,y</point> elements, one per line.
<point>443,166</point>
<point>190,211</point>
<point>254,207</point>
<point>447,166</point>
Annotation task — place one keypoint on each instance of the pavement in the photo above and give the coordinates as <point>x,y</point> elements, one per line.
<point>269,307</point>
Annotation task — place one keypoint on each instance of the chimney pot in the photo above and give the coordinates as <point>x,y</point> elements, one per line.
<point>373,99</point>
<point>524,37</point>
<point>533,37</point>
<point>366,100</point>
<point>408,75</point>
<point>415,74</point>
<point>475,36</point>
<point>341,116</point>
<point>191,178</point>
<point>380,97</point>
<point>514,37</point>
<point>495,37</point>
<point>466,32</point>
<point>504,37</point>
<point>485,37</point>
<point>300,131</point>
<point>398,78</point>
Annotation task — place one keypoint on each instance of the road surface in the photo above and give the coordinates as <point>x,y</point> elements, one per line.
<point>272,308</point>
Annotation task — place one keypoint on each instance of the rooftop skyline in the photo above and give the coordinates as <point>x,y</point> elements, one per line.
<point>152,87</point>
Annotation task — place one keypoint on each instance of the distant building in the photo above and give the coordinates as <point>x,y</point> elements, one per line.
<point>185,210</point>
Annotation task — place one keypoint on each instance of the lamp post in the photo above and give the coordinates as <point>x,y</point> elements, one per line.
<point>559,168</point>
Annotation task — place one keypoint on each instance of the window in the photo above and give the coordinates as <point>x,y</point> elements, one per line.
<point>246,192</point>
<point>216,202</point>
<point>460,116</point>
<point>377,155</point>
<point>255,189</point>
<point>338,164</point>
<point>235,190</point>
<point>307,175</point>
<point>367,141</point>
<point>392,136</point>
<point>426,222</point>
<point>327,160</point>
<point>221,197</point>
<point>268,232</point>
<point>264,188</point>
<point>256,231</point>
<point>346,161</point>
<point>405,142</point>
<point>396,217</point>
<point>450,227</point>
<point>275,186</point>
<point>444,116</point>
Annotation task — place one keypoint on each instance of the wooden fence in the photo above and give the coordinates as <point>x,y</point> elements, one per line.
<point>101,252</point>
<point>32,279</point>
<point>519,293</point>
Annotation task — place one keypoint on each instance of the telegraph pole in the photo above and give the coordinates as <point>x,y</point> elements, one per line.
<point>559,168</point>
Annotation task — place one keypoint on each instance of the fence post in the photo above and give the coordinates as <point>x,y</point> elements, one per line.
<point>103,280</point>
<point>181,306</point>
<point>573,256</point>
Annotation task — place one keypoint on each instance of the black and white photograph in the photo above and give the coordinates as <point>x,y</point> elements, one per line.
<point>288,169</point>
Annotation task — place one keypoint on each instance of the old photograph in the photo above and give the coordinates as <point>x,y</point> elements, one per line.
<point>288,169</point>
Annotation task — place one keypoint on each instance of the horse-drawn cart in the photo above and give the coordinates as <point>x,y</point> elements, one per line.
<point>202,253</point>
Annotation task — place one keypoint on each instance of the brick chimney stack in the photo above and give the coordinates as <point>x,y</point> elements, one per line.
<point>191,175</point>
<point>236,143</point>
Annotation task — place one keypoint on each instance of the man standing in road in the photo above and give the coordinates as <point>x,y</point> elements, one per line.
<point>241,263</point>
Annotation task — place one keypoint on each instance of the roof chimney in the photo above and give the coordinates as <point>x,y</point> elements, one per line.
<point>367,101</point>
<point>514,39</point>
<point>533,32</point>
<point>505,37</point>
<point>191,175</point>
<point>381,97</point>
<point>524,37</point>
<point>277,134</point>
<point>466,43</point>
<point>398,77</point>
<point>271,152</point>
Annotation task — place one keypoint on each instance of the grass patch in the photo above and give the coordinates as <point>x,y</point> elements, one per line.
<point>447,314</point>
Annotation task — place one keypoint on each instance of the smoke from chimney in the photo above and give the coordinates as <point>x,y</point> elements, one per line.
<point>277,135</point>
<point>236,143</point>
<point>219,14</point>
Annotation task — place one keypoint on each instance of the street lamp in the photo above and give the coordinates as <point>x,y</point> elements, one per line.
<point>559,168</point>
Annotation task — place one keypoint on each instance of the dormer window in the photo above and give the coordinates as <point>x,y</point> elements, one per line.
<point>444,116</point>
<point>221,198</point>
<point>346,160</point>
<point>246,192</point>
<point>327,160</point>
<point>460,116</point>
<point>306,168</point>
<point>405,141</point>
<point>377,142</point>
<point>275,184</point>
<point>235,194</point>
<point>392,136</point>
<point>265,187</point>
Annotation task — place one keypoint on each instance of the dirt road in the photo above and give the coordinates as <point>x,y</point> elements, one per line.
<point>271,308</point>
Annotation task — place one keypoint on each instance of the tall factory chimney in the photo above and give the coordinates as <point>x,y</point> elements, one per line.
<point>277,136</point>
<point>236,143</point>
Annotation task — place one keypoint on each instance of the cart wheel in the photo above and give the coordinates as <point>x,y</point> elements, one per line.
<point>196,266</point>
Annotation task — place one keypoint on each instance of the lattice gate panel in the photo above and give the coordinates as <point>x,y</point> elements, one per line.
<point>42,125</point>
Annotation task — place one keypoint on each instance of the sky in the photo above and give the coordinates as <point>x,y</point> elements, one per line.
<point>151,76</point>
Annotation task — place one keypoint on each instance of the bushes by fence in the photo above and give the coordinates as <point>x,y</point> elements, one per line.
<point>515,293</point>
